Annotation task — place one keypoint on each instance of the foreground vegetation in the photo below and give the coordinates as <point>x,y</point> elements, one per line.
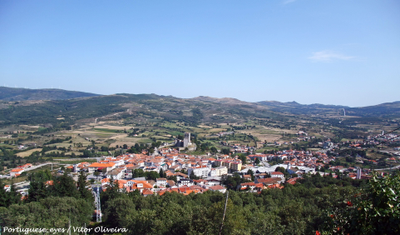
<point>323,204</point>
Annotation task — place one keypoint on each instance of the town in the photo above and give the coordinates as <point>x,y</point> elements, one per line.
<point>169,170</point>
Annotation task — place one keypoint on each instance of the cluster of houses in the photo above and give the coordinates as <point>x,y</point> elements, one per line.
<point>19,169</point>
<point>187,174</point>
<point>207,170</point>
<point>161,185</point>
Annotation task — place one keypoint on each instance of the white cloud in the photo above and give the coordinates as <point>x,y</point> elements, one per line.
<point>328,56</point>
<point>288,1</point>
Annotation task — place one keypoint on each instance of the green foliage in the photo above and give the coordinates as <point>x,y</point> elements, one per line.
<point>47,213</point>
<point>38,188</point>
<point>225,151</point>
<point>233,182</point>
<point>316,203</point>
<point>375,209</point>
<point>243,158</point>
<point>84,193</point>
<point>162,174</point>
<point>292,210</point>
<point>8,198</point>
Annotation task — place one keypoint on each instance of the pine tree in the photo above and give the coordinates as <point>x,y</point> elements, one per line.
<point>3,195</point>
<point>83,191</point>
<point>13,196</point>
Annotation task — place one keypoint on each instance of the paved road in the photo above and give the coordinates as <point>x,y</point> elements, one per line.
<point>32,168</point>
<point>390,168</point>
<point>83,159</point>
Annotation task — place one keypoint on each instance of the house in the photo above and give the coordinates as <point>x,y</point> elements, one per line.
<point>81,166</point>
<point>278,174</point>
<point>270,181</point>
<point>212,181</point>
<point>200,182</point>
<point>218,188</point>
<point>292,181</point>
<point>199,171</point>
<point>16,172</point>
<point>116,173</point>
<point>219,171</point>
<point>161,182</point>
<point>147,192</point>
<point>275,186</point>
<point>185,182</point>
<point>249,185</point>
<point>132,185</point>
<point>247,177</point>
<point>101,165</point>
<point>27,165</point>
<point>261,157</point>
<point>70,167</point>
<point>170,183</point>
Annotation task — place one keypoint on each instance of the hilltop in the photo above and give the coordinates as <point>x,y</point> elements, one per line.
<point>21,94</point>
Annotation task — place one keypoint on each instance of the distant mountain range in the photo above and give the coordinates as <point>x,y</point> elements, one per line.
<point>30,106</point>
<point>21,94</point>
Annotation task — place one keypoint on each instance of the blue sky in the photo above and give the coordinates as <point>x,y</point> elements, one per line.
<point>343,52</point>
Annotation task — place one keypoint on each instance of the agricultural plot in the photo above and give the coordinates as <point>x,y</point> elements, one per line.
<point>28,152</point>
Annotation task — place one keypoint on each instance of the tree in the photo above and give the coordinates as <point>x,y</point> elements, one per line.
<point>225,151</point>
<point>257,161</point>
<point>137,173</point>
<point>151,175</point>
<point>193,176</point>
<point>234,223</point>
<point>38,189</point>
<point>161,173</point>
<point>13,196</point>
<point>375,209</point>
<point>47,213</point>
<point>96,173</point>
<point>251,173</point>
<point>3,195</point>
<point>280,169</point>
<point>64,186</point>
<point>83,191</point>
<point>117,210</point>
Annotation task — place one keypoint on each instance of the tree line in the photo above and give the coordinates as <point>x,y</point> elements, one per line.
<point>315,205</point>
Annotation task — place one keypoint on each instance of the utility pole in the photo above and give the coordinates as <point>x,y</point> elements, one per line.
<point>223,216</point>
<point>98,205</point>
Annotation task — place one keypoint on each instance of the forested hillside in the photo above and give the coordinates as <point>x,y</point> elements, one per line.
<point>21,94</point>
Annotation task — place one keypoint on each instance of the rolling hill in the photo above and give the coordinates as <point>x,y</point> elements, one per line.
<point>60,107</point>
<point>21,94</point>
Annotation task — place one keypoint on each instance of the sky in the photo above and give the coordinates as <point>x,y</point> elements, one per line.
<point>341,52</point>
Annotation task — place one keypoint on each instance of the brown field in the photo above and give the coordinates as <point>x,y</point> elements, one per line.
<point>111,127</point>
<point>118,136</point>
<point>27,153</point>
<point>269,135</point>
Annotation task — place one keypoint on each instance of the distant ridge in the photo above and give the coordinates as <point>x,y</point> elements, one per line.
<point>225,100</point>
<point>21,94</point>
<point>210,106</point>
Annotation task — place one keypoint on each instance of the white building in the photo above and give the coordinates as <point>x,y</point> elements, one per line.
<point>200,171</point>
<point>219,171</point>
<point>161,182</point>
<point>278,174</point>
